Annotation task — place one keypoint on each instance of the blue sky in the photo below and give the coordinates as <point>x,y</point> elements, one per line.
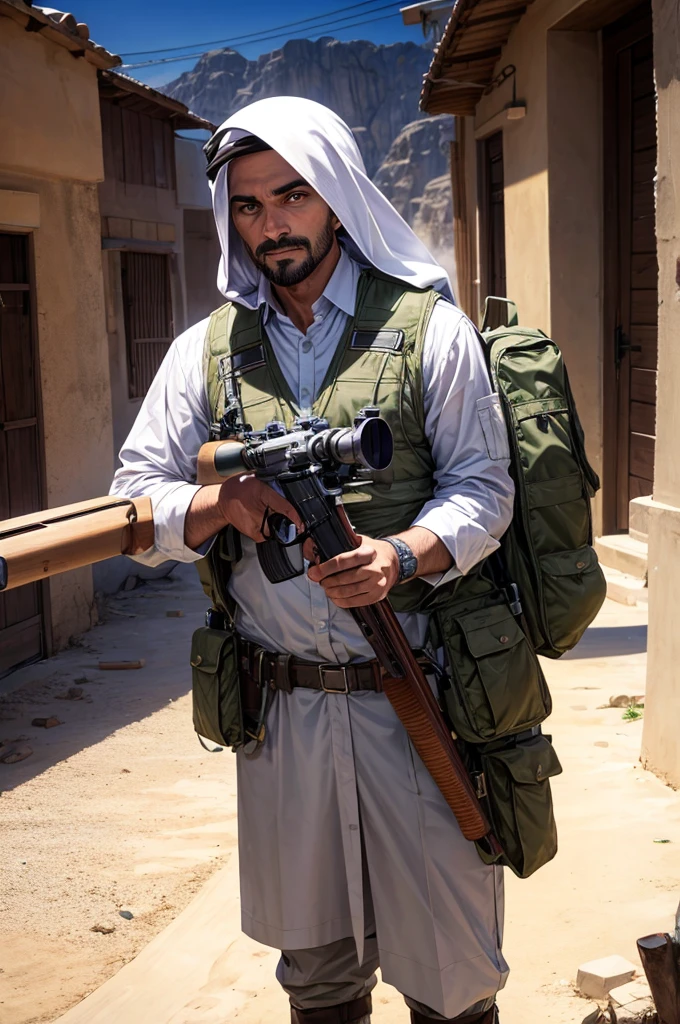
<point>123,26</point>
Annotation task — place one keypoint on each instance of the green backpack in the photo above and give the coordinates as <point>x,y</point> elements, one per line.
<point>547,550</point>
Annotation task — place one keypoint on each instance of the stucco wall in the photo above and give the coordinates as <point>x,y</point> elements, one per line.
<point>51,150</point>
<point>74,373</point>
<point>553,203</point>
<point>49,115</point>
<point>660,742</point>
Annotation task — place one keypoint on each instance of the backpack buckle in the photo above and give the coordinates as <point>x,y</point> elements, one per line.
<point>512,597</point>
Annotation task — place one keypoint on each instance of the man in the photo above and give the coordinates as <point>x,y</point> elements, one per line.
<point>350,857</point>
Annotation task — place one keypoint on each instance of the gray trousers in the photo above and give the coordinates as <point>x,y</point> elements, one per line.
<point>328,975</point>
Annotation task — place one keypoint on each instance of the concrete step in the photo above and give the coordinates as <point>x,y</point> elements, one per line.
<point>625,589</point>
<point>624,553</point>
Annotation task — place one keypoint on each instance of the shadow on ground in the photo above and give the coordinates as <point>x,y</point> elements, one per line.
<point>135,626</point>
<point>610,642</point>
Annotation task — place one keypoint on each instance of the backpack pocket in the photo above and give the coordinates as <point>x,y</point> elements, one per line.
<point>517,783</point>
<point>497,685</point>
<point>574,588</point>
<point>215,692</point>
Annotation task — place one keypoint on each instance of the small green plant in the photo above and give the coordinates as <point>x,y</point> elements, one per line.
<point>633,712</point>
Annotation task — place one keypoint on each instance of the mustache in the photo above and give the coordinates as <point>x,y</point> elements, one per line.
<point>285,242</point>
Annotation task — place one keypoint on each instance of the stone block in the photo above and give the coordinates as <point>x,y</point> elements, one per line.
<point>598,977</point>
<point>119,227</point>
<point>631,992</point>
<point>145,230</point>
<point>166,232</point>
<point>634,1011</point>
<point>621,551</point>
<point>638,518</point>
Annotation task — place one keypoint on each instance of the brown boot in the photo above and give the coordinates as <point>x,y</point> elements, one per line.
<point>357,1011</point>
<point>487,1017</point>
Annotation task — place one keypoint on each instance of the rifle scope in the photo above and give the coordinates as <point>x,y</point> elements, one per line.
<point>368,444</point>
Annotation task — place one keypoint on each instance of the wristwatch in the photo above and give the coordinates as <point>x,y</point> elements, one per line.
<point>408,563</point>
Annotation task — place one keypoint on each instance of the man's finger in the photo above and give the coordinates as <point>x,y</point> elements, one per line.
<point>352,578</point>
<point>277,503</point>
<point>347,560</point>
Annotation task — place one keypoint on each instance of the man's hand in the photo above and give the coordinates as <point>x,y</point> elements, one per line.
<point>244,501</point>
<point>240,501</point>
<point>359,577</point>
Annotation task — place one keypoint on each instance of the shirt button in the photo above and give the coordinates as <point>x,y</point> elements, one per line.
<point>322,626</point>
<point>318,318</point>
<point>306,345</point>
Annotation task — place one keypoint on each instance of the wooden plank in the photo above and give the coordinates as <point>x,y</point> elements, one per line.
<point>160,169</point>
<point>644,306</point>
<point>148,162</point>
<point>643,418</point>
<point>644,166</point>
<point>643,197</point>
<point>644,123</point>
<point>647,338</point>
<point>16,357</point>
<point>639,488</point>
<point>642,456</point>
<point>643,385</point>
<point>20,643</point>
<point>13,259</point>
<point>132,147</point>
<point>117,142</point>
<point>644,271</point>
<point>22,466</point>
<point>643,77</point>
<point>644,235</point>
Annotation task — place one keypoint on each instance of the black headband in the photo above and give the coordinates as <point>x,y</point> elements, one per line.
<point>244,147</point>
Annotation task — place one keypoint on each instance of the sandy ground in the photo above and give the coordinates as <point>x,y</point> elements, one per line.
<point>146,839</point>
<point>117,809</point>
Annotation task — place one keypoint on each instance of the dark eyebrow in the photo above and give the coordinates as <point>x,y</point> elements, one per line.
<point>275,191</point>
<point>289,186</point>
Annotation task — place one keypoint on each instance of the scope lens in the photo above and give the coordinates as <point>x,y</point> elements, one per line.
<point>373,439</point>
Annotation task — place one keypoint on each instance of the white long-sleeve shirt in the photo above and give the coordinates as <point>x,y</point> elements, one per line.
<point>473,494</point>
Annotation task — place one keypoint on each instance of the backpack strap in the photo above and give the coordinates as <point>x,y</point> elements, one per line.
<point>493,315</point>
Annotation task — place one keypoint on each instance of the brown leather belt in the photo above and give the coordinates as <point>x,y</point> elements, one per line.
<point>283,672</point>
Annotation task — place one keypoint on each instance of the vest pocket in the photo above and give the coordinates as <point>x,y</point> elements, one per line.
<point>497,685</point>
<point>574,588</point>
<point>519,801</point>
<point>215,692</point>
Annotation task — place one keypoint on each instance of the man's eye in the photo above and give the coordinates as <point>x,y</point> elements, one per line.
<point>248,208</point>
<point>296,195</point>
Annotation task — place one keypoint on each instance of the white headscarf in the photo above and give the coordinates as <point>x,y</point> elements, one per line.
<point>321,148</point>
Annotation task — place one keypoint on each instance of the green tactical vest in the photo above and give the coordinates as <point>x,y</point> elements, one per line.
<point>378,361</point>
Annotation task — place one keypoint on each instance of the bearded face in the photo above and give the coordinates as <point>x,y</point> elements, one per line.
<point>287,228</point>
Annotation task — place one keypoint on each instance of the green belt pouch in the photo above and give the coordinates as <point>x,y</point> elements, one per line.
<point>216,695</point>
<point>514,779</point>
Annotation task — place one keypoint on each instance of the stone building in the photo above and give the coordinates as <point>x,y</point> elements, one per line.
<point>565,170</point>
<point>56,441</point>
<point>107,250</point>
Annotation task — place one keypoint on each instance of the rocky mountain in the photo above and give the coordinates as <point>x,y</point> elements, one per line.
<point>374,88</point>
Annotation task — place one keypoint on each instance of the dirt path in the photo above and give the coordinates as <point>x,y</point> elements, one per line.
<point>117,809</point>
<point>610,883</point>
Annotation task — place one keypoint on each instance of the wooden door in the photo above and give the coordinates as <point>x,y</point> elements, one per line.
<point>492,215</point>
<point>147,301</point>
<point>21,618</point>
<point>631,268</point>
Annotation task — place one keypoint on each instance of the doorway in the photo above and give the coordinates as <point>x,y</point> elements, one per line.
<point>22,633</point>
<point>631,269</point>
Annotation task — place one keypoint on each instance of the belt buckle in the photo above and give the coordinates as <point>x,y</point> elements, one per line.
<point>334,668</point>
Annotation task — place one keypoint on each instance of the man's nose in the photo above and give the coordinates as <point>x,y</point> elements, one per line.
<point>276,222</point>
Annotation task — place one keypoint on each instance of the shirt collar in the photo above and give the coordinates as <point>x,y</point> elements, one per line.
<point>340,291</point>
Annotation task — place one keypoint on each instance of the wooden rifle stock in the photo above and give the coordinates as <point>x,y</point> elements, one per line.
<point>41,544</point>
<point>409,693</point>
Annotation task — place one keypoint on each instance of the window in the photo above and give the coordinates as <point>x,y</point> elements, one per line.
<point>148,316</point>
<point>138,148</point>
<point>492,215</point>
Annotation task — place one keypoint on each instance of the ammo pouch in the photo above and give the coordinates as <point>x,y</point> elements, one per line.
<point>215,686</point>
<point>496,684</point>
<point>514,778</point>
